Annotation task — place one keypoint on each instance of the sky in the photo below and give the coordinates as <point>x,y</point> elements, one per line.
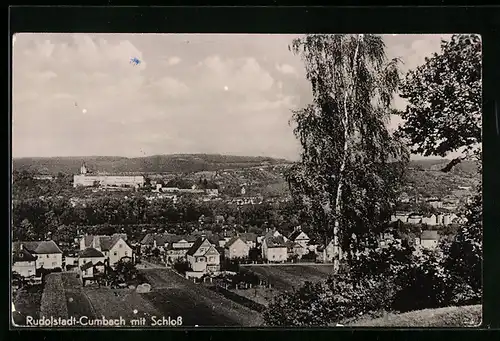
<point>80,94</point>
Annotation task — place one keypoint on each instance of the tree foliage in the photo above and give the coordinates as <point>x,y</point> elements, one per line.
<point>443,114</point>
<point>346,177</point>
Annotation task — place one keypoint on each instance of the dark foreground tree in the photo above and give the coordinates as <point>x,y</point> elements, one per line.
<point>347,177</point>
<point>444,101</point>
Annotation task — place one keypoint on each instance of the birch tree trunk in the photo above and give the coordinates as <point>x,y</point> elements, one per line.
<point>338,200</point>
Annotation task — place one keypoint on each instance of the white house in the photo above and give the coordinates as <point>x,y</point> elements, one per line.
<point>236,248</point>
<point>274,249</point>
<point>430,220</point>
<point>428,239</point>
<point>24,263</point>
<point>300,237</point>
<point>203,256</point>
<point>48,254</point>
<point>114,247</point>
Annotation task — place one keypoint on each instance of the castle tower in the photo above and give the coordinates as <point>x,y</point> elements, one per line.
<point>83,169</point>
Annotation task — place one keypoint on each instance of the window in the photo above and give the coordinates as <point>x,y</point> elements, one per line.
<point>274,256</point>
<point>120,246</point>
<point>54,263</point>
<point>211,259</point>
<point>115,253</point>
<point>126,253</point>
<point>48,256</point>
<point>29,271</point>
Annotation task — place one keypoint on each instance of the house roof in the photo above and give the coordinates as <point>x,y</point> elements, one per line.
<point>429,235</point>
<point>90,252</point>
<point>105,243</point>
<point>86,266</point>
<point>40,247</point>
<point>249,237</point>
<point>275,242</point>
<point>291,244</point>
<point>231,242</point>
<point>192,250</point>
<point>23,256</point>
<point>296,233</point>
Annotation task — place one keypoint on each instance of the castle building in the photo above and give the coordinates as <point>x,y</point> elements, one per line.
<point>87,179</point>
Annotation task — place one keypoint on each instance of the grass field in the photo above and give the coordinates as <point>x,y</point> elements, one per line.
<point>468,316</point>
<point>171,295</point>
<point>286,277</point>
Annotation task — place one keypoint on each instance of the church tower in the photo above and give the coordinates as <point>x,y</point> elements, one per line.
<point>83,169</point>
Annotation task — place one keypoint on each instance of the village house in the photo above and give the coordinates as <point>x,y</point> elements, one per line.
<point>24,263</point>
<point>430,220</point>
<point>48,254</point>
<point>274,249</point>
<point>269,233</point>
<point>114,247</point>
<point>236,248</point>
<point>249,238</point>
<point>428,239</point>
<point>178,247</point>
<point>295,249</point>
<point>300,237</point>
<point>203,256</point>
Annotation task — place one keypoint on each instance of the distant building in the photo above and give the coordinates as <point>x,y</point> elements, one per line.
<point>274,249</point>
<point>203,256</point>
<point>24,263</point>
<point>48,254</point>
<point>86,180</point>
<point>300,237</point>
<point>236,248</point>
<point>428,239</point>
<point>114,248</point>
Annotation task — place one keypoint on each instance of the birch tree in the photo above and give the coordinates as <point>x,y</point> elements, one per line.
<point>351,165</point>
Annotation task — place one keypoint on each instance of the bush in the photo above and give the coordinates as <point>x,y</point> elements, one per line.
<point>182,267</point>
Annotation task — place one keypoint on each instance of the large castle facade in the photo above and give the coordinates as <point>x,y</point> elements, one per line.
<point>86,179</point>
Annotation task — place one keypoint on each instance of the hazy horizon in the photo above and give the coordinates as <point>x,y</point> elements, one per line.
<point>229,94</point>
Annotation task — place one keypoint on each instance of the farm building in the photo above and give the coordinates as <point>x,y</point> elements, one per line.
<point>48,254</point>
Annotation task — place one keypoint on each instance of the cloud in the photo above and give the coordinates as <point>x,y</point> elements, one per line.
<point>241,75</point>
<point>286,69</point>
<point>173,60</point>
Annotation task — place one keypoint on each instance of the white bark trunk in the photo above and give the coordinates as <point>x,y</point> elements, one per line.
<point>338,202</point>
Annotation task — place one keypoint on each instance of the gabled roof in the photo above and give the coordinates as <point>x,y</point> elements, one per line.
<point>291,244</point>
<point>23,256</point>
<point>297,233</point>
<point>232,241</point>
<point>90,252</point>
<point>192,250</point>
<point>272,242</point>
<point>429,235</point>
<point>249,237</point>
<point>105,243</point>
<point>41,247</point>
<point>86,266</point>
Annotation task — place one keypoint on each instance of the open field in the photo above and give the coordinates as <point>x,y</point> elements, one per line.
<point>285,277</point>
<point>172,294</point>
<point>467,316</point>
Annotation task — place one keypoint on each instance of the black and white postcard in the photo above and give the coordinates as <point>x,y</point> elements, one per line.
<point>246,180</point>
